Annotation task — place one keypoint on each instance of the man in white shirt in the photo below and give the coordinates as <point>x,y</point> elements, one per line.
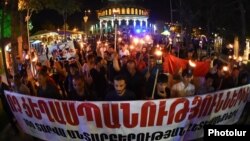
<point>184,88</point>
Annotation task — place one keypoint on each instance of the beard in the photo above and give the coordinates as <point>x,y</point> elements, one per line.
<point>120,92</point>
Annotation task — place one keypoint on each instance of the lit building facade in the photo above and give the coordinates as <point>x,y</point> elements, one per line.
<point>125,14</point>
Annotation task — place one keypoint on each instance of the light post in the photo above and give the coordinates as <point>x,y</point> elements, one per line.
<point>85,19</point>
<point>115,12</point>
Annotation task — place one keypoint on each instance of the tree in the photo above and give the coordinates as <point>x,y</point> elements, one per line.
<point>5,32</point>
<point>29,6</point>
<point>15,32</point>
<point>65,8</point>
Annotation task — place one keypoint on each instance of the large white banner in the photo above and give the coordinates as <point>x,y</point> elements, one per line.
<point>166,119</point>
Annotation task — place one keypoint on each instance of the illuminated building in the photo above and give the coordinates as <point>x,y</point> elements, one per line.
<point>126,14</point>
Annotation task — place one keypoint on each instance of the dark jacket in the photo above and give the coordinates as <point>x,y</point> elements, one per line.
<point>51,91</point>
<point>113,96</point>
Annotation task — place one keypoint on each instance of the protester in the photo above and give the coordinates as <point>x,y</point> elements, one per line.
<point>121,93</point>
<point>68,83</point>
<point>5,105</point>
<point>162,89</point>
<point>19,87</point>
<point>99,76</point>
<point>184,88</point>
<point>135,80</point>
<point>81,91</point>
<point>207,87</point>
<point>47,88</point>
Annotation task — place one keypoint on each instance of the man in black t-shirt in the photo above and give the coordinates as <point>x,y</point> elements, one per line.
<point>120,93</point>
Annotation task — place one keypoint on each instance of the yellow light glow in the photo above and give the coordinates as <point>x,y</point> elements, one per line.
<point>136,40</point>
<point>234,57</point>
<point>240,58</point>
<point>34,59</point>
<point>131,47</point>
<point>147,37</point>
<point>119,39</point>
<point>142,41</point>
<point>27,57</point>
<point>191,63</point>
<point>158,53</point>
<point>225,68</point>
<point>229,57</point>
<point>230,46</point>
<point>75,29</point>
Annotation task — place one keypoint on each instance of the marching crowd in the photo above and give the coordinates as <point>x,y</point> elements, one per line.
<point>103,73</point>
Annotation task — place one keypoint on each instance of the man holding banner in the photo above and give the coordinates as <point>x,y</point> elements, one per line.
<point>184,88</point>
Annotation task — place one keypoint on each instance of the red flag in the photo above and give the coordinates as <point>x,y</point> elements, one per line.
<point>173,64</point>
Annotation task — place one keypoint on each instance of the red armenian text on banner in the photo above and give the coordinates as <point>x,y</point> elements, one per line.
<point>165,119</point>
<point>173,64</point>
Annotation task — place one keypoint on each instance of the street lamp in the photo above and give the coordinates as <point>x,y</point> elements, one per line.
<point>85,18</point>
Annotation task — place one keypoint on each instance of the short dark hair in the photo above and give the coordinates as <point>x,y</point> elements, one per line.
<point>162,78</point>
<point>187,73</point>
<point>120,77</point>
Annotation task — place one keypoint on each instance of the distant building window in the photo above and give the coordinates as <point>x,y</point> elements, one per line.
<point>123,11</point>
<point>106,12</point>
<point>136,11</point>
<point>142,12</point>
<point>132,11</point>
<point>128,11</point>
<point>118,10</point>
<point>139,11</point>
<point>110,11</point>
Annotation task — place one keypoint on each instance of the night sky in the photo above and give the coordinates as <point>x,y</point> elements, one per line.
<point>228,18</point>
<point>158,10</point>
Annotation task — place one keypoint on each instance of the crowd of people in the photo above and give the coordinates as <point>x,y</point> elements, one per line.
<point>102,72</point>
